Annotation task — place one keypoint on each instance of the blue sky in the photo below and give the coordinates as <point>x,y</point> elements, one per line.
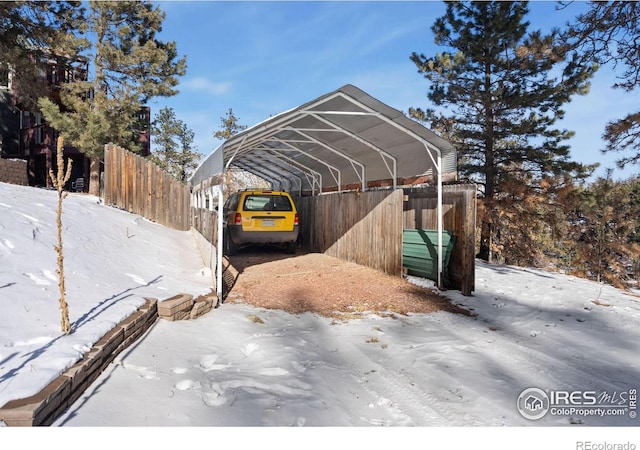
<point>261,58</point>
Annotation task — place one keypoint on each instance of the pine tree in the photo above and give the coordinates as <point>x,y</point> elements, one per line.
<point>130,66</point>
<point>236,179</point>
<point>604,228</point>
<point>531,223</point>
<point>229,126</point>
<point>608,34</point>
<point>505,88</point>
<point>174,150</point>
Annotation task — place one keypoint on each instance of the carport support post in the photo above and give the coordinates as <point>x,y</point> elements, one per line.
<point>223,180</point>
<point>438,173</point>
<point>220,240</point>
<point>440,258</point>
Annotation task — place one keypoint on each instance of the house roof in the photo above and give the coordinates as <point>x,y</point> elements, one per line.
<point>341,140</point>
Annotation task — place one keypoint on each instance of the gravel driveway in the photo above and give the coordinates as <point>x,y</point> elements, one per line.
<point>313,282</point>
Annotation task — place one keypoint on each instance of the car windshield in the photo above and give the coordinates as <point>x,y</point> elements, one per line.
<point>266,202</point>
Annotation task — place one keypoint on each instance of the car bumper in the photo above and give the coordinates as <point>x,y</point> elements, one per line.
<point>238,236</point>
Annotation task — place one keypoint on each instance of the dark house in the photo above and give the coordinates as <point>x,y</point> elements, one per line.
<point>25,135</point>
<point>9,117</point>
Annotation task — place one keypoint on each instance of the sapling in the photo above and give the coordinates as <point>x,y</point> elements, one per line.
<point>59,180</point>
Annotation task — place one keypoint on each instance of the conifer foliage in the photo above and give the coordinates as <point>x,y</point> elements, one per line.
<point>31,35</point>
<point>130,66</point>
<point>229,126</point>
<point>604,231</point>
<point>608,33</point>
<point>236,179</point>
<point>174,150</point>
<point>500,91</point>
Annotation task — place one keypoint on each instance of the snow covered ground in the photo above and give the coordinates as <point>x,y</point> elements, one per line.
<point>573,340</point>
<point>112,259</point>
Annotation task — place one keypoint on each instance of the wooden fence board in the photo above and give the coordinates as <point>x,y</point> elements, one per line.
<point>360,227</point>
<point>137,185</point>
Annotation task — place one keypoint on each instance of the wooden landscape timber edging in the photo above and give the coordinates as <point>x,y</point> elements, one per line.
<point>135,184</point>
<point>45,407</point>
<point>459,218</point>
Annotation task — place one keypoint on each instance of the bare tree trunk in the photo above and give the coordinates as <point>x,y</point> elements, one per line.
<point>486,227</point>
<point>94,176</point>
<point>485,240</point>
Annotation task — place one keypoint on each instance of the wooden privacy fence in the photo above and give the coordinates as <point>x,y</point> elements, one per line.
<point>360,227</point>
<point>205,222</point>
<point>367,228</point>
<point>137,185</point>
<point>459,217</point>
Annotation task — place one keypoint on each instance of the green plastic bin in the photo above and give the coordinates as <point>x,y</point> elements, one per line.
<point>420,253</point>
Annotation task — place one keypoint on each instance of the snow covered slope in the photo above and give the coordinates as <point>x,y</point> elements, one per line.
<point>243,366</point>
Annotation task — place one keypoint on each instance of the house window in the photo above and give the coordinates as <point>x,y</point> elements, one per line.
<point>52,75</point>
<point>25,120</point>
<point>37,135</point>
<point>33,121</point>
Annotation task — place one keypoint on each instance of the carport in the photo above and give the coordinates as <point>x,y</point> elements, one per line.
<point>345,140</point>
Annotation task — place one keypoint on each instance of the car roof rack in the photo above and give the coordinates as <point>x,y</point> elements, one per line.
<point>261,190</point>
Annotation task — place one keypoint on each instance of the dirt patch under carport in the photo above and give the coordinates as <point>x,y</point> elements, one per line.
<point>314,282</point>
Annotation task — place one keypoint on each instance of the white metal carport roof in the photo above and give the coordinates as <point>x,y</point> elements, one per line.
<point>345,139</point>
<point>342,140</point>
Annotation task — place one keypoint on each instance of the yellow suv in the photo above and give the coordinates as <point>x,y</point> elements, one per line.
<point>260,217</point>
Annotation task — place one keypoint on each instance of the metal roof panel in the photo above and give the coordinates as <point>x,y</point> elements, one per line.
<point>345,137</point>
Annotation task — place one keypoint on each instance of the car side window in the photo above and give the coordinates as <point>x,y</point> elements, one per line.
<point>232,202</point>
